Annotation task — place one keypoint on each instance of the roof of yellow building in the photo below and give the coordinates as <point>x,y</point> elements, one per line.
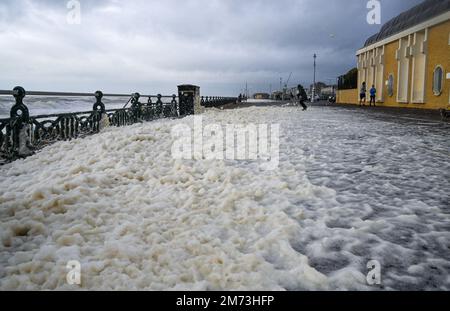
<point>416,15</point>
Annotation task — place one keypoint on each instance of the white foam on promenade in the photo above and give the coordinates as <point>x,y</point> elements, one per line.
<point>349,189</point>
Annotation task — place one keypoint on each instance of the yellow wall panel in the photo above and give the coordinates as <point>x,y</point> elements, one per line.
<point>347,96</point>
<point>438,54</point>
<point>390,67</point>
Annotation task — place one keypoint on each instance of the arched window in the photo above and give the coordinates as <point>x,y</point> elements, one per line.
<point>390,85</point>
<point>438,78</point>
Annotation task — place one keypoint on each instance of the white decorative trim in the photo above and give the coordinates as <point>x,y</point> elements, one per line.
<point>380,88</point>
<point>425,81</point>
<point>442,82</point>
<point>429,23</point>
<point>417,51</point>
<point>409,51</point>
<point>400,68</point>
<point>448,78</point>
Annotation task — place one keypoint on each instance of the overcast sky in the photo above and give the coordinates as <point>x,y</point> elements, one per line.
<point>151,46</point>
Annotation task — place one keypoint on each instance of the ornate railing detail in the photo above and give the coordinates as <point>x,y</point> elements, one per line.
<point>217,101</point>
<point>21,134</point>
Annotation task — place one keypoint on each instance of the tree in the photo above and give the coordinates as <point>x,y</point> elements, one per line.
<point>349,80</point>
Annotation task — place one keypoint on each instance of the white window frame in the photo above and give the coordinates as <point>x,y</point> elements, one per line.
<point>448,78</point>
<point>434,80</point>
<point>390,88</point>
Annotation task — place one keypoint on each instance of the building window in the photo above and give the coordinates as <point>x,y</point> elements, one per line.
<point>390,85</point>
<point>438,78</point>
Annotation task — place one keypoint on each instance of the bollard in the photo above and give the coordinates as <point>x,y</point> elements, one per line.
<point>190,101</point>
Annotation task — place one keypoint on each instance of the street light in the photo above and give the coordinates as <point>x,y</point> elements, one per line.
<point>314,82</point>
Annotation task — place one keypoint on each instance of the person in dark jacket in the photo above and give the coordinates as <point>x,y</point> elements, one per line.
<point>301,100</point>
<point>362,94</point>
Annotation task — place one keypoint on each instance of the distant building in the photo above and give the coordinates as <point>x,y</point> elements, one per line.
<point>277,95</point>
<point>261,96</point>
<point>408,61</point>
<point>319,87</point>
<point>329,90</point>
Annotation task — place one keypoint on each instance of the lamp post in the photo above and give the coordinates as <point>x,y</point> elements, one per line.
<point>313,96</point>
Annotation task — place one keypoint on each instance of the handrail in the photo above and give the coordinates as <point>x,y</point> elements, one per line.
<point>62,94</point>
<point>55,115</point>
<point>22,134</point>
<point>217,101</point>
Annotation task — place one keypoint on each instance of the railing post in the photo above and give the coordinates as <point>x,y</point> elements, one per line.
<point>190,100</point>
<point>136,107</point>
<point>159,106</point>
<point>19,110</point>
<point>19,125</point>
<point>99,107</point>
<point>150,109</point>
<point>174,106</point>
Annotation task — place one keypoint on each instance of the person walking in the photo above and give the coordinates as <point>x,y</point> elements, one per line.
<point>301,100</point>
<point>373,95</point>
<point>362,94</point>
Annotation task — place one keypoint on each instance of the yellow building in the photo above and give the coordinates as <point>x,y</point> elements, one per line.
<point>408,61</point>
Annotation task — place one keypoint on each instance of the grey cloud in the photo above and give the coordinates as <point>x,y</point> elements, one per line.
<point>124,46</point>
